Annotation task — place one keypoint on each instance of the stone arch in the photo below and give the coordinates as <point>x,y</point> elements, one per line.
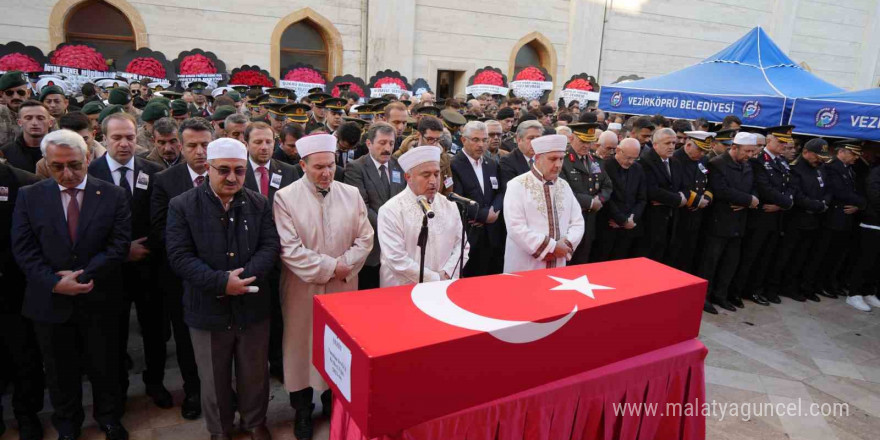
<point>541,45</point>
<point>61,12</point>
<point>331,35</point>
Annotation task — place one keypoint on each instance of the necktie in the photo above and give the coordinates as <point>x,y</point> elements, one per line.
<point>72,213</point>
<point>264,181</point>
<point>198,181</point>
<point>531,161</point>
<point>668,170</point>
<point>383,176</point>
<point>323,192</point>
<point>123,181</point>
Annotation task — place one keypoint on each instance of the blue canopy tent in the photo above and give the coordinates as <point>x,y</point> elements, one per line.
<point>752,78</point>
<point>850,115</point>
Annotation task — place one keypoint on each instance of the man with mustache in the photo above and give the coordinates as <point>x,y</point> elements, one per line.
<point>325,238</point>
<point>14,90</point>
<point>35,122</point>
<point>378,177</point>
<point>166,144</point>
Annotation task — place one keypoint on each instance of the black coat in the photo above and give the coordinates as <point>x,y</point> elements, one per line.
<point>871,216</point>
<point>732,185</point>
<point>288,173</point>
<point>140,198</point>
<point>363,175</point>
<point>17,154</point>
<point>842,184</point>
<point>42,247</point>
<point>662,188</point>
<point>464,183</point>
<point>774,187</point>
<point>204,242</point>
<point>629,195</point>
<point>812,197</point>
<point>12,279</point>
<point>512,165</point>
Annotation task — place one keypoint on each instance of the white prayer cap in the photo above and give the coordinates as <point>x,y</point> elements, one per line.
<point>227,148</point>
<point>615,126</point>
<point>550,143</point>
<point>743,138</point>
<point>220,90</point>
<point>316,143</point>
<point>419,155</point>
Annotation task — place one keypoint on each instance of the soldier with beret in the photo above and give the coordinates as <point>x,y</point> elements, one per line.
<point>55,99</point>
<point>153,111</point>
<point>15,91</point>
<point>179,110</point>
<point>218,119</point>
<point>122,96</point>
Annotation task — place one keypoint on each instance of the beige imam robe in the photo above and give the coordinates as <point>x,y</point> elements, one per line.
<point>536,220</point>
<point>399,224</point>
<point>315,232</point>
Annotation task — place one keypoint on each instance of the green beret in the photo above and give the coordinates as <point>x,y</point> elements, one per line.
<point>119,95</point>
<point>155,111</point>
<point>109,110</point>
<point>234,95</point>
<point>50,90</point>
<point>13,78</point>
<point>161,99</point>
<point>93,107</point>
<point>222,112</point>
<point>179,108</point>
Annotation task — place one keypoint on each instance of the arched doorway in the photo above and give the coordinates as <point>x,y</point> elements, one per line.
<point>532,50</point>
<point>307,37</point>
<point>114,26</point>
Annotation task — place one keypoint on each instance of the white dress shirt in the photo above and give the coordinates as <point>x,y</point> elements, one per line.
<point>379,165</point>
<point>193,175</point>
<point>257,175</point>
<point>65,198</point>
<point>114,171</point>
<point>477,164</point>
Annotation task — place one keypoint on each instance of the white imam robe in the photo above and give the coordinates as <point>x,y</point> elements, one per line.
<point>534,226</point>
<point>398,226</point>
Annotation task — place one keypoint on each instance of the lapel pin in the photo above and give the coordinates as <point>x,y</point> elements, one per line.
<point>98,192</point>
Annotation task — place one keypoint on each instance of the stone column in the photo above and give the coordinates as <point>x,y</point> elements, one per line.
<point>867,70</point>
<point>584,47</point>
<point>391,27</point>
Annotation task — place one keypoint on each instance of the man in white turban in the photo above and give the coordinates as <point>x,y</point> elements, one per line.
<point>543,218</point>
<point>325,239</point>
<point>400,222</point>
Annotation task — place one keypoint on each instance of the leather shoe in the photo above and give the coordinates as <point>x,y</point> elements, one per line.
<point>737,302</point>
<point>772,297</point>
<point>30,428</point>
<point>812,297</point>
<point>827,293</point>
<point>115,432</point>
<point>758,299</point>
<point>260,433</point>
<point>160,395</point>
<point>724,304</point>
<point>709,308</point>
<point>303,427</point>
<point>191,408</point>
<point>326,403</point>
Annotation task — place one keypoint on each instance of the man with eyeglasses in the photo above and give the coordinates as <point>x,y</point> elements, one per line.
<point>71,235</point>
<point>222,242</point>
<point>195,134</point>
<point>493,146</point>
<point>476,178</point>
<point>430,131</point>
<point>23,151</point>
<point>15,91</point>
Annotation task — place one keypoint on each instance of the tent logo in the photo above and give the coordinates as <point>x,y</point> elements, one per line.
<point>751,109</point>
<point>827,117</point>
<point>616,99</point>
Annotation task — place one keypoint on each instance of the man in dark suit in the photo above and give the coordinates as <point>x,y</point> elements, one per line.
<point>803,223</point>
<point>620,220</point>
<point>120,167</point>
<point>378,177</point>
<point>70,236</point>
<point>731,181</point>
<point>195,134</point>
<point>690,159</point>
<point>665,195</point>
<point>266,175</point>
<point>591,185</point>
<point>476,178</point>
<point>523,156</point>
<point>773,184</point>
<point>847,199</point>
<point>18,343</point>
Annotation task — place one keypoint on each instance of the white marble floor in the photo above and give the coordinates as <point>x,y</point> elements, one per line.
<point>821,357</point>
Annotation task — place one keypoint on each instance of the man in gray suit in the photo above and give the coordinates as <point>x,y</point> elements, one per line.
<point>379,178</point>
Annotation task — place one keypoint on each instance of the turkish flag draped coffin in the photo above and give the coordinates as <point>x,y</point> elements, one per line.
<point>400,356</point>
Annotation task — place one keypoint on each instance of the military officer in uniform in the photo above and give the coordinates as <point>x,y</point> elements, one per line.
<point>453,121</point>
<point>317,118</point>
<point>695,184</point>
<point>590,184</point>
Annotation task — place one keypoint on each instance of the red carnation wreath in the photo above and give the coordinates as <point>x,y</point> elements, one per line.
<point>250,78</point>
<point>390,81</point>
<point>580,84</point>
<point>147,67</point>
<point>79,56</point>
<point>489,77</point>
<point>19,61</point>
<point>530,73</point>
<point>197,64</point>
<point>352,87</point>
<point>305,75</point>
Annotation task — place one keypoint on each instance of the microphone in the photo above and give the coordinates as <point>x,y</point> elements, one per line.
<point>426,207</point>
<point>461,200</point>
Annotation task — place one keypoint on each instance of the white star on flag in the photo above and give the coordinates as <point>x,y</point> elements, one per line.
<point>580,284</point>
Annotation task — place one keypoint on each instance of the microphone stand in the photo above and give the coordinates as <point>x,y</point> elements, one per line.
<point>462,211</point>
<point>423,243</point>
